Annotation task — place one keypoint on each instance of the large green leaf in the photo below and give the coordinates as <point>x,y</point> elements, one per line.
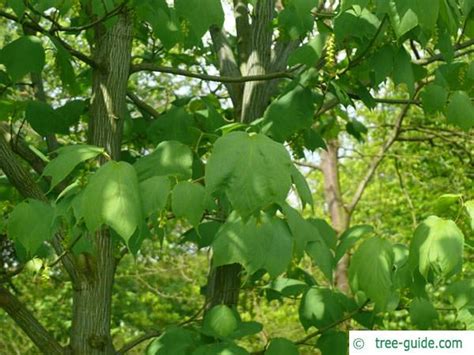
<point>371,271</point>
<point>281,346</point>
<point>422,313</point>
<point>162,19</point>
<point>308,53</point>
<point>333,343</point>
<point>434,98</point>
<point>252,170</point>
<point>437,247</point>
<point>112,197</point>
<point>67,159</point>
<point>154,194</point>
<point>296,19</point>
<point>170,158</point>
<point>302,187</point>
<point>403,71</point>
<point>220,322</point>
<point>350,237</point>
<point>22,56</point>
<point>174,341</point>
<point>460,110</point>
<point>174,125</point>
<point>264,244</point>
<point>357,17</point>
<point>427,12</point>
<point>187,200</point>
<point>29,225</point>
<point>307,237</point>
<point>201,14</point>
<point>297,104</point>
<point>320,307</point>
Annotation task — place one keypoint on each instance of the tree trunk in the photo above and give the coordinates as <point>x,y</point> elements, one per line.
<point>93,292</point>
<point>340,218</point>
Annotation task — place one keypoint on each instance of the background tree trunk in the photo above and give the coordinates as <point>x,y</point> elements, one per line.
<point>340,216</point>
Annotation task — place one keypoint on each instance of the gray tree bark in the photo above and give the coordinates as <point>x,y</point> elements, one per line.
<point>93,292</point>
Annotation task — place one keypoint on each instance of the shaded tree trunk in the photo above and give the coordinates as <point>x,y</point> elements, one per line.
<point>93,292</point>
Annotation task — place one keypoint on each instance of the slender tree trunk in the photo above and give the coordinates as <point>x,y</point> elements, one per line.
<point>340,217</point>
<point>93,292</point>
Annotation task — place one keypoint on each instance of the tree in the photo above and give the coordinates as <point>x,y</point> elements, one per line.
<point>120,170</point>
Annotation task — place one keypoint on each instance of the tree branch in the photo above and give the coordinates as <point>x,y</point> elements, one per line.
<point>320,331</point>
<point>142,105</point>
<point>307,165</point>
<point>379,157</point>
<point>29,324</point>
<point>439,56</point>
<point>221,79</point>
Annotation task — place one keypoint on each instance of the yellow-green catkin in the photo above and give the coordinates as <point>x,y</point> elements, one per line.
<point>331,55</point>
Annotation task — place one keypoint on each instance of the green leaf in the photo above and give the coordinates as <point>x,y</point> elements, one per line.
<point>187,201</point>
<point>309,53</point>
<point>320,307</point>
<point>295,19</point>
<point>281,346</point>
<point>297,104</point>
<point>174,341</point>
<point>333,343</point>
<point>29,225</point>
<point>154,194</point>
<point>266,244</point>
<point>247,328</point>
<point>460,111</point>
<point>302,187</point>
<point>220,322</point>
<point>174,125</point>
<point>437,247</point>
<point>252,170</point>
<point>162,19</point>
<point>434,98</point>
<point>18,6</point>
<point>427,12</point>
<point>325,230</point>
<point>202,235</point>
<point>307,237</point>
<point>287,287</point>
<point>67,159</point>
<point>22,56</point>
<point>112,197</point>
<point>422,313</point>
<point>355,17</point>
<point>461,293</point>
<point>65,68</point>
<point>469,205</point>
<point>42,117</point>
<point>201,14</point>
<point>403,71</point>
<point>350,237</point>
<point>374,278</point>
<point>170,158</point>
<point>444,202</point>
